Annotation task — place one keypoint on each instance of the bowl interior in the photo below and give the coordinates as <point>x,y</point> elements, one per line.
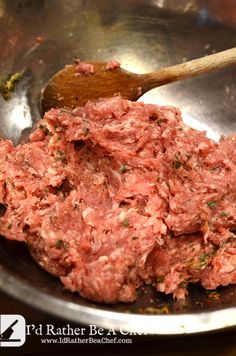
<point>39,37</point>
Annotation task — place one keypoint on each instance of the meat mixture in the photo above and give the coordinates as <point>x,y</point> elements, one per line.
<point>116,194</point>
<point>89,68</point>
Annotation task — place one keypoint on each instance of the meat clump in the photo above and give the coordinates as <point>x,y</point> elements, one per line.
<point>83,68</point>
<point>116,194</point>
<point>112,65</point>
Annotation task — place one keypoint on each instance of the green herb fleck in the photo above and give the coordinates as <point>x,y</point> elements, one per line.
<point>182,284</point>
<point>42,127</point>
<point>123,168</point>
<point>153,310</point>
<point>204,258</point>
<point>160,279</point>
<point>86,131</point>
<point>133,310</point>
<point>211,291</point>
<point>224,213</point>
<point>59,244</point>
<point>212,294</point>
<point>62,110</point>
<point>159,122</point>
<point>214,252</point>
<point>176,164</point>
<point>212,204</point>
<point>126,222</point>
<point>212,169</point>
<point>8,86</point>
<point>61,157</point>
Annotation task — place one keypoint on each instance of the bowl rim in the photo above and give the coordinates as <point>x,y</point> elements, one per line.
<point>168,324</point>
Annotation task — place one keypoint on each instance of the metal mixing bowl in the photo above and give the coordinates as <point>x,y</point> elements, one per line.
<point>143,35</point>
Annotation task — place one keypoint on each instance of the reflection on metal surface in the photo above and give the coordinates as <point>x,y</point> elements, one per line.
<point>159,3</point>
<point>15,114</point>
<point>20,116</point>
<point>132,62</point>
<point>143,35</point>
<point>1,9</point>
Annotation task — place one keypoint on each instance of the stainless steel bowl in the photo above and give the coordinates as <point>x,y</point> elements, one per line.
<point>38,37</point>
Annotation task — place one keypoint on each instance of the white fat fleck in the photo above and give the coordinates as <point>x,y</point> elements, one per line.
<point>51,171</point>
<point>202,146</point>
<point>212,186</point>
<point>52,235</point>
<point>227,269</point>
<point>228,266</point>
<point>52,139</point>
<point>103,259</point>
<point>160,240</point>
<point>98,178</point>
<point>122,215</point>
<point>161,287</point>
<point>163,229</point>
<point>131,210</point>
<point>166,132</point>
<point>86,212</point>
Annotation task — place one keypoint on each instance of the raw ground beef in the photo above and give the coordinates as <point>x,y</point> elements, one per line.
<point>83,67</point>
<point>118,193</point>
<point>112,65</point>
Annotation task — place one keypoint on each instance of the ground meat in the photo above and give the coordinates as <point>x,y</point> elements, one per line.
<point>83,68</point>
<point>116,194</point>
<point>112,65</point>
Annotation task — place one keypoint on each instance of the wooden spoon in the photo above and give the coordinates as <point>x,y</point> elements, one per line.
<point>66,89</point>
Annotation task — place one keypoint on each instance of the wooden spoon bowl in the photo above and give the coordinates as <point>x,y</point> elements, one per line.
<point>68,89</point>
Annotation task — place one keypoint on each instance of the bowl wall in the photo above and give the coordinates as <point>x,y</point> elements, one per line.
<point>38,37</point>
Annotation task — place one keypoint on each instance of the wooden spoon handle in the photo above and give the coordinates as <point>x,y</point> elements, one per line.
<point>189,69</point>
